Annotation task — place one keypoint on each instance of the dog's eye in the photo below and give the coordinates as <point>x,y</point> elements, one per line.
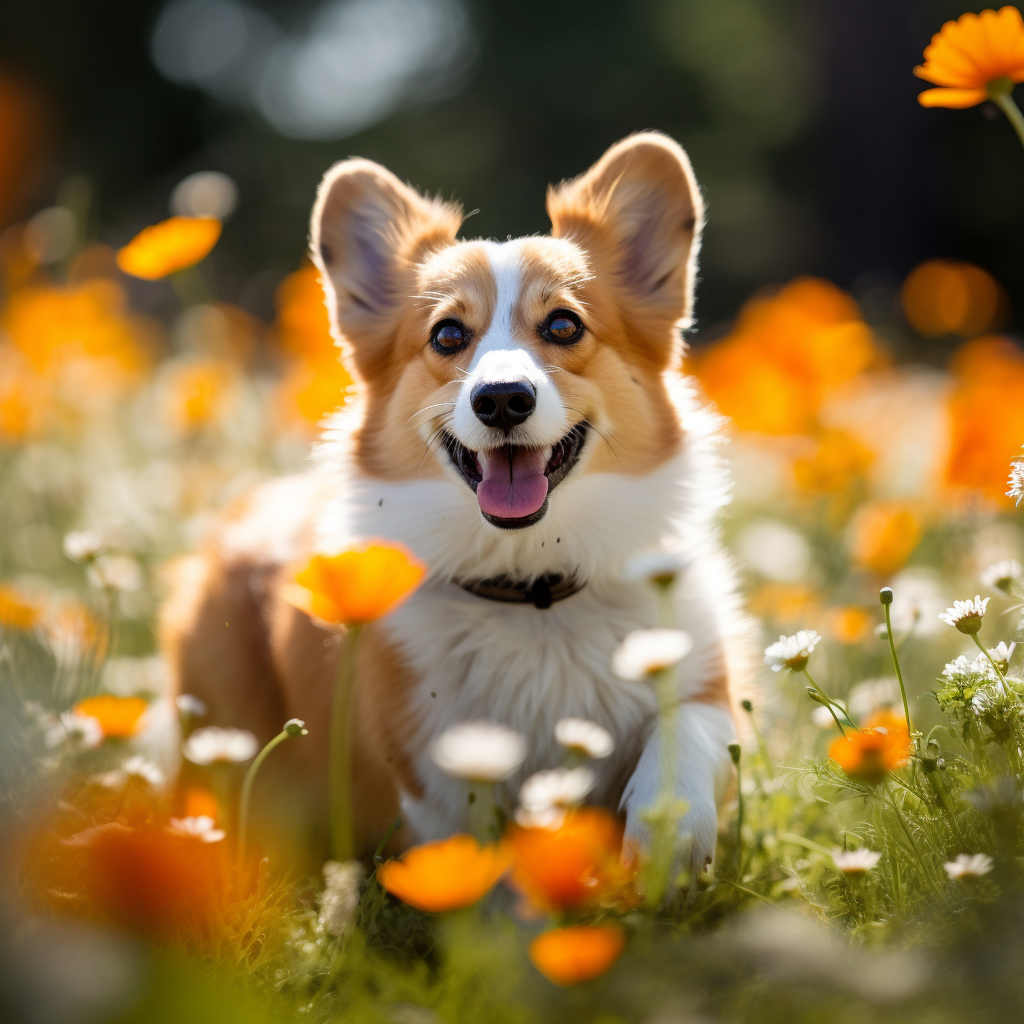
<point>562,327</point>
<point>449,336</point>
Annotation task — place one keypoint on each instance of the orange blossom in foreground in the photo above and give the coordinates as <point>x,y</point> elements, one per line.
<point>576,864</point>
<point>119,717</point>
<point>445,875</point>
<point>169,246</point>
<point>972,55</point>
<point>869,754</point>
<point>356,586</point>
<point>567,956</point>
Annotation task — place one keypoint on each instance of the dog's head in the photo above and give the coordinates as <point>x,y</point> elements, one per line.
<point>514,371</point>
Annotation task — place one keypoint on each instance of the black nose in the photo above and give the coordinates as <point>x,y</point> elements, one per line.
<point>503,404</point>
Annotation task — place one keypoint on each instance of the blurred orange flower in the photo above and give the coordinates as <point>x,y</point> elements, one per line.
<point>883,535</point>
<point>73,632</point>
<point>169,246</point>
<point>947,297</point>
<point>784,602</point>
<point>198,391</point>
<point>356,586</point>
<point>24,397</point>
<point>119,717</point>
<point>200,803</point>
<point>445,875</point>
<point>986,413</point>
<point>968,55</point>
<point>869,754</point>
<point>16,610</point>
<point>576,864</point>
<point>850,623</point>
<point>317,381</point>
<point>568,956</point>
<point>837,460</point>
<point>784,354</point>
<point>56,329</point>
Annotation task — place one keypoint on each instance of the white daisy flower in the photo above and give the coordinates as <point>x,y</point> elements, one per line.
<point>201,827</point>
<point>190,706</point>
<point>966,615</point>
<point>969,865</point>
<point>662,567</point>
<point>587,737</point>
<point>1016,482</point>
<point>791,652</point>
<point>78,730</point>
<point>855,862</point>
<point>545,796</point>
<point>1002,575</point>
<point>82,545</point>
<point>479,751</point>
<point>213,745</point>
<point>340,899</point>
<point>137,767</point>
<point>1001,655</point>
<point>871,695</point>
<point>647,651</point>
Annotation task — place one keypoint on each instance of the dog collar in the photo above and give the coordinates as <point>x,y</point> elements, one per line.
<point>541,593</point>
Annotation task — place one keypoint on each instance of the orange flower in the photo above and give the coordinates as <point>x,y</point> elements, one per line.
<point>869,754</point>
<point>357,586</point>
<point>568,956</point>
<point>946,297</point>
<point>850,623</point>
<point>16,611</point>
<point>169,246</point>
<point>836,462</point>
<point>302,327</point>
<point>200,803</point>
<point>970,56</point>
<point>986,414</point>
<point>575,865</point>
<point>445,875</point>
<point>883,534</point>
<point>197,392</point>
<point>784,354</point>
<point>119,717</point>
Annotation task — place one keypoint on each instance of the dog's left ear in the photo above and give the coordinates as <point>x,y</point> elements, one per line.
<point>638,212</point>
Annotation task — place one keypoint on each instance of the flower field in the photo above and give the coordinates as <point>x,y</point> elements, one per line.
<point>870,857</point>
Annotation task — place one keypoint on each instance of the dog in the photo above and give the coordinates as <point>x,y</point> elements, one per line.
<point>520,421</point>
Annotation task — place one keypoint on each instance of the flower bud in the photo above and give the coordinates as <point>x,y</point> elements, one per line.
<point>295,727</point>
<point>747,706</point>
<point>885,595</point>
<point>734,753</point>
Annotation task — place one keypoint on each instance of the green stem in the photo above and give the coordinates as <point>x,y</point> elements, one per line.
<point>246,801</point>
<point>761,745</point>
<point>340,782</point>
<point>896,664</point>
<point>829,702</point>
<point>984,650</point>
<point>1006,104</point>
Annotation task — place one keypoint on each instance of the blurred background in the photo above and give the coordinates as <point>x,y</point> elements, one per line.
<point>800,117</point>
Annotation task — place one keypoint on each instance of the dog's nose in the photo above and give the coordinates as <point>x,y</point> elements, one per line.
<point>503,404</point>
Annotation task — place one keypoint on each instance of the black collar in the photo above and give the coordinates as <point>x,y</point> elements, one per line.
<point>541,593</point>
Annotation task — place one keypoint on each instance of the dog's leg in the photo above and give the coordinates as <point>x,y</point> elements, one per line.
<point>701,768</point>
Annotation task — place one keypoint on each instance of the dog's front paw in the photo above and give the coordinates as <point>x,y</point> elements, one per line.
<point>695,833</point>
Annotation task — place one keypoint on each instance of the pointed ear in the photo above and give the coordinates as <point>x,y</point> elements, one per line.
<point>639,212</point>
<point>368,232</point>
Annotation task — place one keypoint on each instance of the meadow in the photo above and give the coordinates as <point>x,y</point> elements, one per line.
<point>870,861</point>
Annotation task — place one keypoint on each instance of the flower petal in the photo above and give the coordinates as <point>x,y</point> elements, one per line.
<point>954,99</point>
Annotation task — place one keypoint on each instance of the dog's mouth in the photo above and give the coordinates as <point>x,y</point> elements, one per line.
<point>512,483</point>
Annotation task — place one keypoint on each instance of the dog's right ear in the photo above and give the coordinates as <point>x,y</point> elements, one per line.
<point>368,230</point>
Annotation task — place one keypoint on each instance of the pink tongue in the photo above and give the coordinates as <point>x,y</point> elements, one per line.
<point>514,484</point>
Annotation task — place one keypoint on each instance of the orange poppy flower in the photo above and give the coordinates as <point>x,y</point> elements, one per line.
<point>16,612</point>
<point>119,717</point>
<point>577,864</point>
<point>357,586</point>
<point>883,535</point>
<point>967,57</point>
<point>869,754</point>
<point>169,246</point>
<point>445,875</point>
<point>568,956</point>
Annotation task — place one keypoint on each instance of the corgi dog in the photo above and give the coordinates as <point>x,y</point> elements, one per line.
<point>519,421</point>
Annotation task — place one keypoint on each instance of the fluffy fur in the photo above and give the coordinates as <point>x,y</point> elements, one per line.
<point>622,258</point>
